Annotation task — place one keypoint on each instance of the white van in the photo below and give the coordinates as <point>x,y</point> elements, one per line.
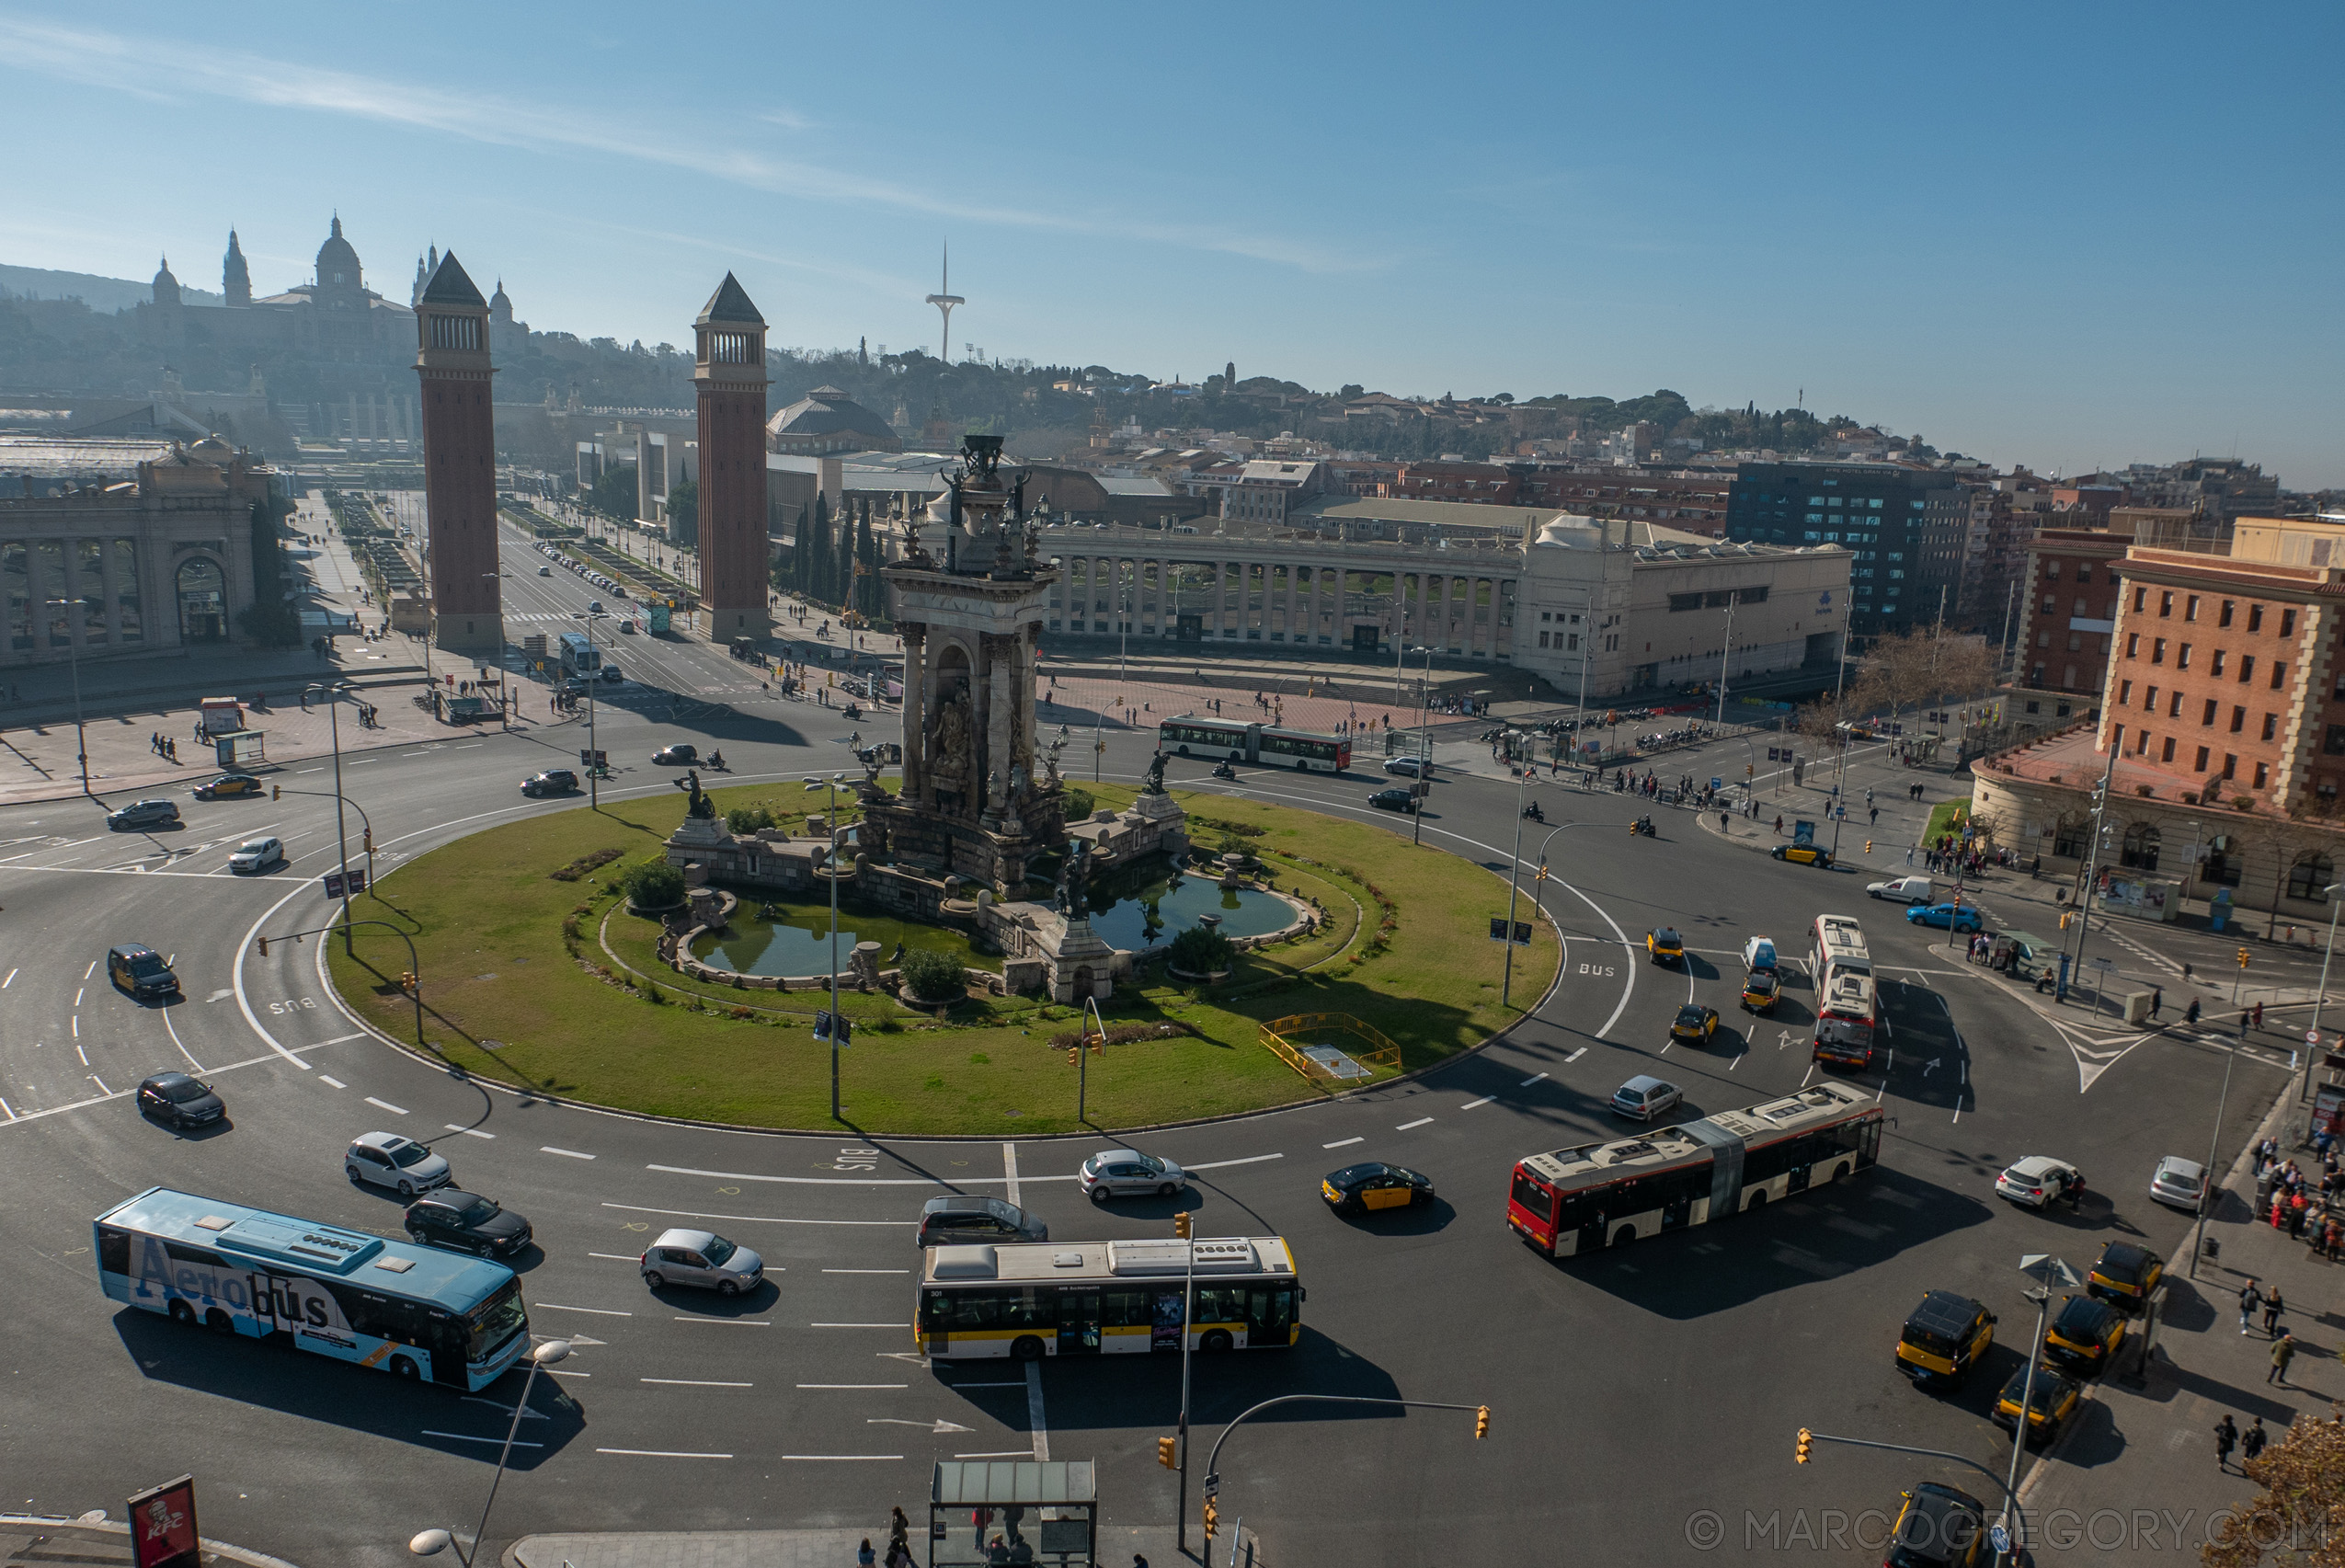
<point>1906,890</point>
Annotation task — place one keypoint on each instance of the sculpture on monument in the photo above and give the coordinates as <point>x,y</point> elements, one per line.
<point>1154,783</point>
<point>1050,761</point>
<point>948,750</point>
<point>700,805</point>
<point>1074,881</point>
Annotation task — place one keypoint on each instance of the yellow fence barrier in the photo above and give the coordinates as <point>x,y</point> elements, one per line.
<point>1289,1039</point>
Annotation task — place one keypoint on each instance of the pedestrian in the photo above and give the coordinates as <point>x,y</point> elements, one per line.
<point>2191,1015</point>
<point>2226,1438</point>
<point>2251,1442</point>
<point>2283,1352</point>
<point>2158,1000</point>
<point>865,1556</point>
<point>2258,1012</point>
<point>2296,1209</point>
<point>2249,1300</point>
<point>2272,1308</point>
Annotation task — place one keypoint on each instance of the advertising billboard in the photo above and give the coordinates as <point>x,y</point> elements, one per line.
<point>163,1526</point>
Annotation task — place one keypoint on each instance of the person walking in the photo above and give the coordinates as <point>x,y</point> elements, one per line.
<point>2251,1442</point>
<point>865,1556</point>
<point>2190,1015</point>
<point>2158,1000</point>
<point>2284,1351</point>
<point>2249,1300</point>
<point>2226,1438</point>
<point>2272,1309</point>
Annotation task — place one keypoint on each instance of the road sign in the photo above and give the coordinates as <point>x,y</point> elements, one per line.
<point>2000,1538</point>
<point>2104,964</point>
<point>2312,1036</point>
<point>357,878</point>
<point>1213,1485</point>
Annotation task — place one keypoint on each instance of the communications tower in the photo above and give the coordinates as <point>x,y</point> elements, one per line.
<point>945,303</point>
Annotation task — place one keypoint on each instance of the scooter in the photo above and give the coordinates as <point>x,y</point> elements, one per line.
<point>1224,771</point>
<point>1534,813</point>
<point>716,761</point>
<point>1641,825</point>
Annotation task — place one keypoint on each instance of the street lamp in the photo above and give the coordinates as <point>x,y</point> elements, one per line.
<point>431,1542</point>
<point>333,694</point>
<point>594,768</point>
<point>2214,1138</point>
<point>1421,784</point>
<point>2047,1272</point>
<point>504,690</point>
<point>830,867</point>
<point>73,656</point>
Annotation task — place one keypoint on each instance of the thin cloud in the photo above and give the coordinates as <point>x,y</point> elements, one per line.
<point>163,71</point>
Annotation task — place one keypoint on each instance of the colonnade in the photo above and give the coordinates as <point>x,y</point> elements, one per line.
<point>1468,613</point>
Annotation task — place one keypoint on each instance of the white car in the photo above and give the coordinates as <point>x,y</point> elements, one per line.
<point>2180,1183</point>
<point>1645,1097</point>
<point>1407,767</point>
<point>1112,1173</point>
<point>2038,1182</point>
<point>256,854</point>
<point>401,1163</point>
<point>702,1258</point>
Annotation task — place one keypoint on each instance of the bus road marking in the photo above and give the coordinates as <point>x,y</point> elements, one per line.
<point>1406,1126</point>
<point>387,1106</point>
<point>1343,1143</point>
<point>332,1082</point>
<point>598,1312</point>
<point>566,1153</point>
<point>1470,1105</point>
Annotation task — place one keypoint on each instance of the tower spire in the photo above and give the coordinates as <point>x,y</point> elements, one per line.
<point>945,301</point>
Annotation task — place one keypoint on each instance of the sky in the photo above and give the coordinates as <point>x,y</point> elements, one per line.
<point>2069,235</point>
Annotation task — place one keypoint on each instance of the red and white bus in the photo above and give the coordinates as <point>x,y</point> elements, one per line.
<point>1848,1011</point>
<point>1607,1194</point>
<point>1245,741</point>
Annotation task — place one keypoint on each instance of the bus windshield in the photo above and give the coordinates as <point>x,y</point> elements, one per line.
<point>496,1319</point>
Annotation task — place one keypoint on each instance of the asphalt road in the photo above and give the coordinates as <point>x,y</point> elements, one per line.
<point>1635,1396</point>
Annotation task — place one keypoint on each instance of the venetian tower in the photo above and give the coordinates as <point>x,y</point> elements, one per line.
<point>458,463</point>
<point>728,372</point>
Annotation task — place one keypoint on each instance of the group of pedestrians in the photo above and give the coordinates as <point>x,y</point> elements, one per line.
<point>2300,1203</point>
<point>899,1548</point>
<point>163,746</point>
<point>2250,1443</point>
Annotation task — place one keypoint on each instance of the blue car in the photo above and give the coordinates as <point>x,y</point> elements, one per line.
<point>1961,916</point>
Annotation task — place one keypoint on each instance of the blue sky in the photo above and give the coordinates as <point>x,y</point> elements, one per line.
<point>2064,236</point>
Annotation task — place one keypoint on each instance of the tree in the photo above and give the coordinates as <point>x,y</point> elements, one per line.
<point>932,976</point>
<point>1201,950</point>
<point>613,494</point>
<point>654,885</point>
<point>2298,1516</point>
<point>269,619</point>
<point>684,512</point>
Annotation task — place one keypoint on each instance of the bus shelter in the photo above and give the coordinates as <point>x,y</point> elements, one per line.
<point>995,1511</point>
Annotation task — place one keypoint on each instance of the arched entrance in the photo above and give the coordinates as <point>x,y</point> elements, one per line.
<point>203,592</point>
<point>2140,850</point>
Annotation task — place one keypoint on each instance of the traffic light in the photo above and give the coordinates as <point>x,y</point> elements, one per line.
<point>1541,875</point>
<point>1212,1519</point>
<point>1481,1422</point>
<point>1182,1226</point>
<point>2243,958</point>
<point>367,839</point>
<point>1098,1043</point>
<point>264,947</point>
<point>276,792</point>
<point>407,980</point>
<point>1807,1441</point>
<point>2065,916</point>
<point>1074,1053</point>
<point>1167,1450</point>
<point>1868,846</point>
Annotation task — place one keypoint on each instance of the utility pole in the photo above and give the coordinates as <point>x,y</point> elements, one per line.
<point>2093,863</point>
<point>1726,655</point>
<point>1513,881</point>
<point>1422,786</point>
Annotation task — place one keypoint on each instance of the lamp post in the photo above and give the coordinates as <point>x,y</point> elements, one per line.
<point>594,768</point>
<point>333,694</point>
<point>1422,786</point>
<point>431,1542</point>
<point>74,657</point>
<point>830,868</point>
<point>2213,1137</point>
<point>2047,1271</point>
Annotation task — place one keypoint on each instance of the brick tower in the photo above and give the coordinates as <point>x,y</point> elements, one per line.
<point>728,369</point>
<point>458,463</point>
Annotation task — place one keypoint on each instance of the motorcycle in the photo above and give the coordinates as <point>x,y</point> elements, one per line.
<point>1534,813</point>
<point>1224,771</point>
<point>716,761</point>
<point>1641,825</point>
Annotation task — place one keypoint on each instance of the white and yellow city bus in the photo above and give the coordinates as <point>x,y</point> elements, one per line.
<point>1026,1299</point>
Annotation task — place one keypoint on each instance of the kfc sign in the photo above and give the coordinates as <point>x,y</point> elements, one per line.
<point>163,1526</point>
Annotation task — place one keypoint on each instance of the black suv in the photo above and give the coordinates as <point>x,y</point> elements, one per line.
<point>180,1100</point>
<point>957,1221</point>
<point>145,814</point>
<point>466,1222</point>
<point>140,970</point>
<point>554,781</point>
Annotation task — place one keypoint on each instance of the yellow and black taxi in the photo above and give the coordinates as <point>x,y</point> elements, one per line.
<point>228,786</point>
<point>1694,1024</point>
<point>1803,855</point>
<point>1760,988</point>
<point>1359,1188</point>
<point>141,971</point>
<point>1665,945</point>
<point>2051,1404</point>
<point>2083,1338</point>
<point>1937,1527</point>
<point>1943,1339</point>
<point>2125,1275</point>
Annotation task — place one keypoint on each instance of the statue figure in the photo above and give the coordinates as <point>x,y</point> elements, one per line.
<point>1074,881</point>
<point>948,752</point>
<point>871,760</point>
<point>700,804</point>
<point>1051,758</point>
<point>1154,783</point>
<point>1017,782</point>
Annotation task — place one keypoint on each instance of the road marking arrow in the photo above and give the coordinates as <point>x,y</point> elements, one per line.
<point>939,1427</point>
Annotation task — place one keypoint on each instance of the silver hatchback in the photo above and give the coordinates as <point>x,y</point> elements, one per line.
<point>389,1161</point>
<point>1118,1172</point>
<point>702,1258</point>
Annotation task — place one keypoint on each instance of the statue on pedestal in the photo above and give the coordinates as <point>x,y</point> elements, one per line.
<point>1074,881</point>
<point>1154,783</point>
<point>700,805</point>
<point>1050,761</point>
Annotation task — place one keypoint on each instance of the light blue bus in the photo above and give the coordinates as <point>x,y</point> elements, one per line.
<point>423,1314</point>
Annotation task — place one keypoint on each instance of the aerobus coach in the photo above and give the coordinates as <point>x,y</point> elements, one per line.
<point>418,1312</point>
<point>1240,741</point>
<point>1607,1194</point>
<point>1025,1299</point>
<point>1848,1006</point>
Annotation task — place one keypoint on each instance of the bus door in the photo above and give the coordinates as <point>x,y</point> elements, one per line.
<point>1270,1314</point>
<point>1079,1321</point>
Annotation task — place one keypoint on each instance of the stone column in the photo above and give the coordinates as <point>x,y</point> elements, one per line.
<point>1001,674</point>
<point>915,635</point>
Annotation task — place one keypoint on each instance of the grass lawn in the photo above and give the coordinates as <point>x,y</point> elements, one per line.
<point>512,990</point>
<point>1946,817</point>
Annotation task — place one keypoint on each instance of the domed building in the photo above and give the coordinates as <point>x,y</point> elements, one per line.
<point>827,421</point>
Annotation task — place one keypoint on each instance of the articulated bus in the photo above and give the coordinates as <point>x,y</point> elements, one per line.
<point>416,1311</point>
<point>1846,1006</point>
<point>1025,1299</point>
<point>1271,745</point>
<point>1600,1194</point>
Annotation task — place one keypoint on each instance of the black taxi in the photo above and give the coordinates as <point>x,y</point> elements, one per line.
<point>1943,1339</point>
<point>2085,1337</point>
<point>2125,1275</point>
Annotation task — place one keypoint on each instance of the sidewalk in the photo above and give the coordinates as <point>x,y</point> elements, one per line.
<point>822,1549</point>
<point>29,1539</point>
<point>2135,1481</point>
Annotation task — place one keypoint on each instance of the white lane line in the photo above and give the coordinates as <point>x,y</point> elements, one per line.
<point>1485,1099</point>
<point>556,1372</point>
<point>694,1383</point>
<point>1016,1385</point>
<point>566,1153</point>
<point>83,1054</point>
<point>86,974</point>
<point>387,1106</point>
<point>335,1082</point>
<point>619,1257</point>
<point>893,1182</point>
<point>1343,1143</point>
<point>364,760</point>
<point>856,1385</point>
<point>336,1040</point>
<point>1010,1169</point>
<point>1406,1126</point>
<point>9,981</point>
<point>1737,1061</point>
<point>309,770</point>
<point>470,1131</point>
<point>468,1437</point>
<point>236,976</point>
<point>822,1459</point>
<point>672,1454</point>
<point>1534,1078</point>
<point>996,1454</point>
<point>78,992</point>
<point>1035,1422</point>
<point>598,1312</point>
<point>751,1219</point>
<point>8,1107</point>
<point>866,1271</point>
<point>859,1325</point>
<point>1575,1055</point>
<point>744,1322</point>
<point>103,1090</point>
<point>78,1026</point>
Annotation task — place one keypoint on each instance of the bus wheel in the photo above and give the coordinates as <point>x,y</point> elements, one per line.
<point>1219,1339</point>
<point>403,1367</point>
<point>1756,1200</point>
<point>1626,1234</point>
<point>218,1322</point>
<point>182,1313</point>
<point>1026,1347</point>
<point>1840,1171</point>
